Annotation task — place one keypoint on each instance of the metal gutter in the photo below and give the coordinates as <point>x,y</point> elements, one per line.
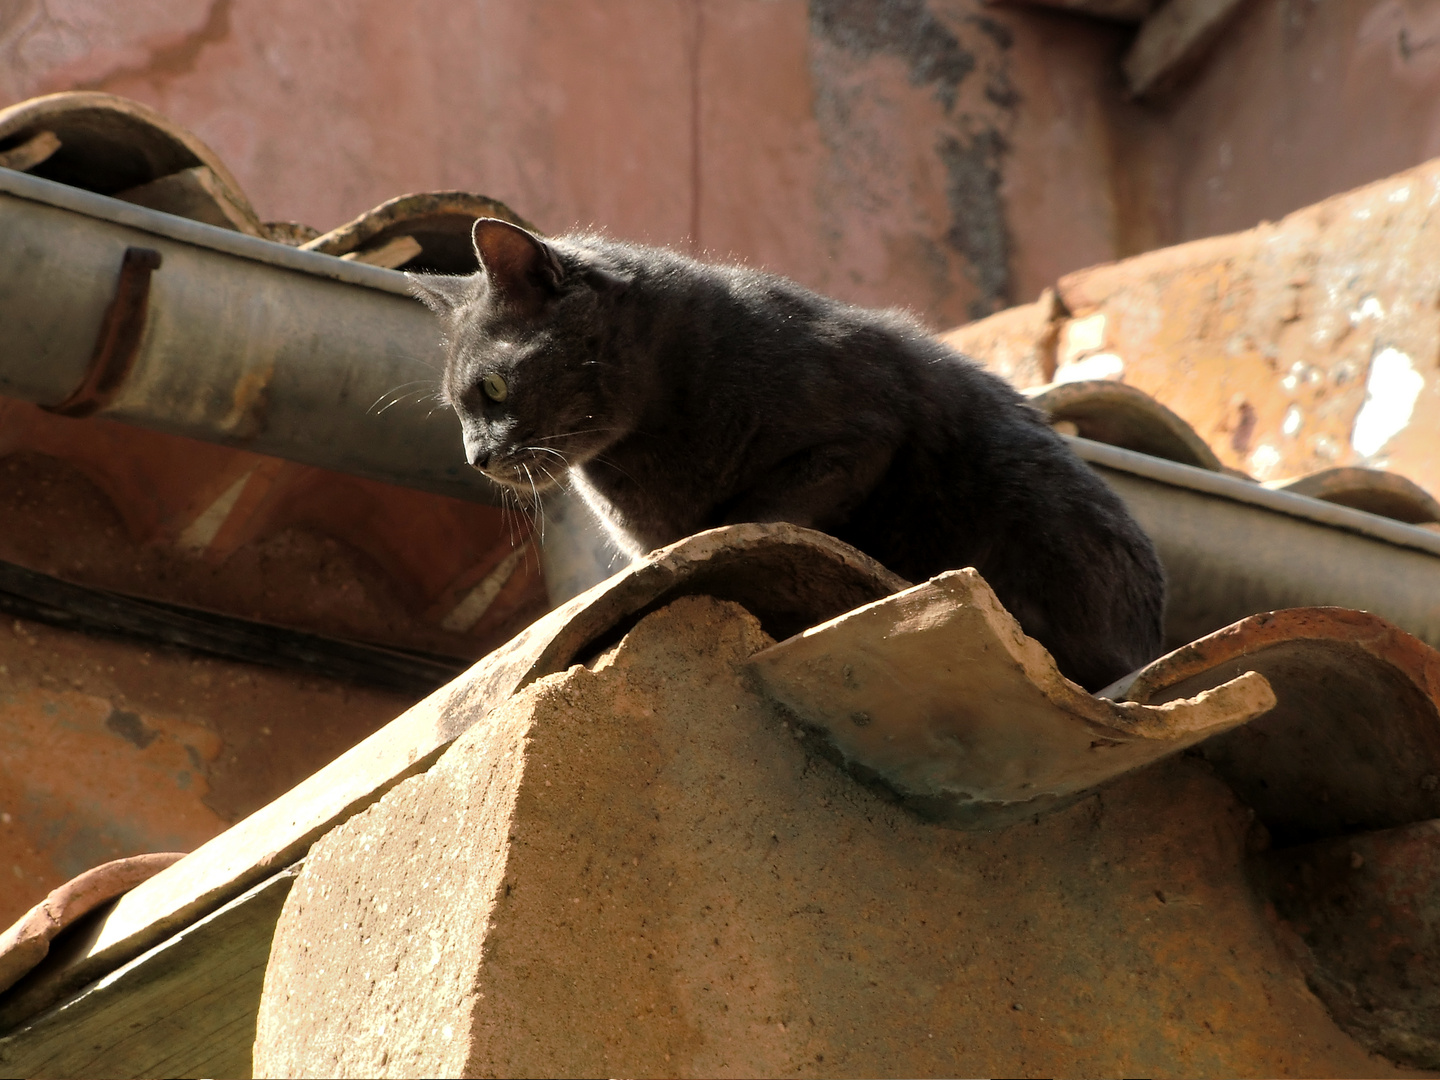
<point>1233,548</point>
<point>1279,502</point>
<point>119,311</point>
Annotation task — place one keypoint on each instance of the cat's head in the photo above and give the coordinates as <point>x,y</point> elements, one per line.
<point>526,368</point>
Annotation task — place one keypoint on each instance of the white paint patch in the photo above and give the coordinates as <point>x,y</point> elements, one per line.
<point>200,532</point>
<point>1363,214</point>
<point>1301,372</point>
<point>1370,308</point>
<point>1082,336</point>
<point>1399,195</point>
<point>1103,365</point>
<point>1293,419</point>
<point>1264,460</point>
<point>1390,395</point>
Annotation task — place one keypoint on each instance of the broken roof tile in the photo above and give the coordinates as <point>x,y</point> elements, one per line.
<point>938,693</point>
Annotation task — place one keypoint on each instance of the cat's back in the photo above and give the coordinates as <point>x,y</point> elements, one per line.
<point>742,300</point>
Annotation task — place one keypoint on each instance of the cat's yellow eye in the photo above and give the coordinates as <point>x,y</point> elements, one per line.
<point>494,387</point>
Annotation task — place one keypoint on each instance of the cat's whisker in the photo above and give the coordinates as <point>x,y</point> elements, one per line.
<point>539,502</point>
<point>603,460</point>
<point>549,450</point>
<point>394,402</point>
<point>582,431</point>
<point>535,495</point>
<point>556,483</point>
<point>510,514</point>
<point>396,395</point>
<point>568,435</point>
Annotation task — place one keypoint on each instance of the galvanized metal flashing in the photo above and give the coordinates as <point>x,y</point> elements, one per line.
<point>1232,548</point>
<point>1304,507</point>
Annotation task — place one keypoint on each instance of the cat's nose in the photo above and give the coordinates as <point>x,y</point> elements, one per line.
<point>475,452</point>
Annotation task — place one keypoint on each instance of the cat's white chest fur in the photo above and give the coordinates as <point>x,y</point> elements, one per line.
<point>610,518</point>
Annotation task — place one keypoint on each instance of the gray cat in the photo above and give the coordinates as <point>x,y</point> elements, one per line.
<point>681,396</point>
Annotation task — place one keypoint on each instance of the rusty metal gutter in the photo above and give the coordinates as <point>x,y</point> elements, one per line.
<point>1233,548</point>
<point>117,310</point>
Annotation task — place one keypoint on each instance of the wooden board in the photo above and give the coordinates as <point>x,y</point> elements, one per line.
<point>185,1008</point>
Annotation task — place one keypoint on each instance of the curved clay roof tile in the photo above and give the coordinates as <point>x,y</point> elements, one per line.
<point>118,147</point>
<point>1345,774</point>
<point>1354,742</point>
<point>26,942</point>
<point>1374,490</point>
<point>426,231</point>
<point>1112,412</point>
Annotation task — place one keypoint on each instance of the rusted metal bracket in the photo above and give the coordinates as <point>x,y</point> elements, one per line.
<point>119,337</point>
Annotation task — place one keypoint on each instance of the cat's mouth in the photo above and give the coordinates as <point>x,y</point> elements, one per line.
<point>528,471</point>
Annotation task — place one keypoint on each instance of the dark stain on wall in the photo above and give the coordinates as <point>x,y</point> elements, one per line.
<point>176,58</point>
<point>977,215</point>
<point>904,28</point>
<point>972,145</point>
<point>130,727</point>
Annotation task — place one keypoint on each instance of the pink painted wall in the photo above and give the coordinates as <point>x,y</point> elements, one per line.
<point>1300,100</point>
<point>947,155</point>
<point>867,150</point>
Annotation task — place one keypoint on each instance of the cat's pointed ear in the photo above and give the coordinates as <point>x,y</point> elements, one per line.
<point>520,266</point>
<point>441,293</point>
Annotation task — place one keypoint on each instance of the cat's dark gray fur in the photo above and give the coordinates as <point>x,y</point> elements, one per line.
<point>683,396</point>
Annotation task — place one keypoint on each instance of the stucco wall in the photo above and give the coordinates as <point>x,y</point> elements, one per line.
<point>948,155</point>
<point>1301,99</point>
